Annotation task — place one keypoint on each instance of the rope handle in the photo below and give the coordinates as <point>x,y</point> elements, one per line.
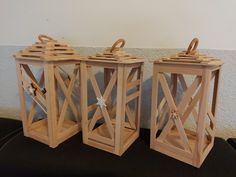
<point>119,41</point>
<point>45,38</point>
<point>192,46</point>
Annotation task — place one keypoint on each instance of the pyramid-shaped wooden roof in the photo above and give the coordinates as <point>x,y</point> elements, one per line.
<point>192,57</point>
<point>48,49</point>
<point>115,54</point>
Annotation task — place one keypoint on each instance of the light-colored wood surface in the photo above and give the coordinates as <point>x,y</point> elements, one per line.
<point>48,49</point>
<point>189,146</point>
<point>111,124</point>
<point>115,54</point>
<point>56,126</point>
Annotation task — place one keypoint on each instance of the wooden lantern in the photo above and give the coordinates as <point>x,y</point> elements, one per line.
<point>111,121</point>
<point>49,55</point>
<point>198,102</point>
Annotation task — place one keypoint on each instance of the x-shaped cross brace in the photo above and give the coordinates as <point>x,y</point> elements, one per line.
<point>179,110</point>
<point>102,110</point>
<point>67,91</point>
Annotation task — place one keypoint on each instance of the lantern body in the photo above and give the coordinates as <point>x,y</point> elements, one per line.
<point>50,95</point>
<point>170,114</point>
<point>111,110</point>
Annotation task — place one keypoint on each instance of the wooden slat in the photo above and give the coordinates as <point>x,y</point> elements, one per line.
<point>132,96</point>
<point>51,102</point>
<point>131,116</point>
<point>23,112</point>
<point>102,139</point>
<point>120,111</point>
<point>97,115</point>
<point>203,108</point>
<point>67,93</point>
<point>132,84</point>
<point>84,100</point>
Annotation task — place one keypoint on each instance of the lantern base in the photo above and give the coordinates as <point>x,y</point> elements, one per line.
<point>100,138</point>
<point>39,132</point>
<point>172,146</point>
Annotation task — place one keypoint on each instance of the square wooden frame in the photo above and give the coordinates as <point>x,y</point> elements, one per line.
<point>121,134</point>
<point>56,128</point>
<point>194,145</point>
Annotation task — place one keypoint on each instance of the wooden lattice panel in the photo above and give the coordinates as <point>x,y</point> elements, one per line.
<point>169,134</point>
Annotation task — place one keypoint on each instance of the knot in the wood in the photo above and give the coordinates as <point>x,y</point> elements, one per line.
<point>174,114</point>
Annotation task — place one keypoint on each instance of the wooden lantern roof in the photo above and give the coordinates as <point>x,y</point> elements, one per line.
<point>191,57</point>
<point>48,49</point>
<point>115,54</point>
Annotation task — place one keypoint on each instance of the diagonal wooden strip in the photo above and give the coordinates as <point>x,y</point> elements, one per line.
<point>185,87</point>
<point>132,96</point>
<point>159,110</point>
<point>107,77</point>
<point>96,116</point>
<point>211,117</point>
<point>182,134</point>
<point>203,109</point>
<point>33,80</point>
<point>188,94</point>
<point>131,74</point>
<point>110,85</point>
<point>174,81</point>
<point>92,107</point>
<point>108,122</point>
<point>105,96</point>
<point>39,96</point>
<point>165,112</point>
<point>185,100</point>
<point>167,92</point>
<point>67,93</point>
<point>191,106</point>
<point>210,132</point>
<point>171,103</point>
<point>33,106</point>
<point>166,129</point>
<point>29,73</point>
<point>130,116</point>
<point>133,84</point>
<point>94,83</point>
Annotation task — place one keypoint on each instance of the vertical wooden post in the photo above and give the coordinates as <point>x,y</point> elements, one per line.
<point>203,109</point>
<point>107,77</point>
<point>154,105</point>
<point>23,112</point>
<point>84,100</point>
<point>215,93</point>
<point>120,108</point>
<point>215,102</point>
<point>174,82</point>
<point>138,102</point>
<point>51,103</point>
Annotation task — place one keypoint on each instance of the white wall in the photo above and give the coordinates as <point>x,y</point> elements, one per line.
<point>143,23</point>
